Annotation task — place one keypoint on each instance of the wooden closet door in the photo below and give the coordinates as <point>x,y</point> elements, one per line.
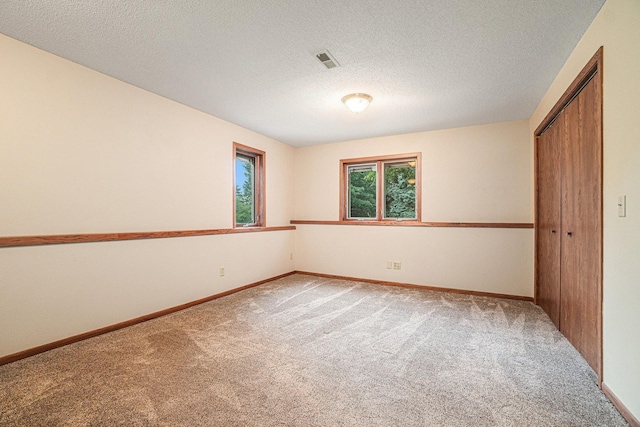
<point>548,232</point>
<point>581,248</point>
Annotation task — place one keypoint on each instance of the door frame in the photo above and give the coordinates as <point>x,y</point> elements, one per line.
<point>593,70</point>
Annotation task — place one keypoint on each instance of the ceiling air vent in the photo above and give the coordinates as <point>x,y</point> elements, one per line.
<point>327,59</point>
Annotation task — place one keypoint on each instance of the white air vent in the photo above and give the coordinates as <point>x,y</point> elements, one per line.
<point>327,59</point>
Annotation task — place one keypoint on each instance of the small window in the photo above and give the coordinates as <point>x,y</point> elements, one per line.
<point>381,188</point>
<point>248,182</point>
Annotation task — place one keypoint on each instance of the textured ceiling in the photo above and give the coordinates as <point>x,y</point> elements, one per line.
<point>429,64</point>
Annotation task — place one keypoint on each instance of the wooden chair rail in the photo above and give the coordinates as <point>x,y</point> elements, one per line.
<point>112,237</point>
<point>421,224</point>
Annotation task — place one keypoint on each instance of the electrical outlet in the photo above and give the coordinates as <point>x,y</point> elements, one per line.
<point>291,256</point>
<point>221,271</point>
<point>397,265</point>
<point>389,265</point>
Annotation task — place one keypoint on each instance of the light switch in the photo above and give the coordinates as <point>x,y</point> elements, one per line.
<point>622,205</point>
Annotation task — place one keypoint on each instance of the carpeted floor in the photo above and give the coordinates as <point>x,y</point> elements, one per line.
<point>309,351</point>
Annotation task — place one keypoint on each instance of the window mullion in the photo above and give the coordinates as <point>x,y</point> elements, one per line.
<point>379,189</point>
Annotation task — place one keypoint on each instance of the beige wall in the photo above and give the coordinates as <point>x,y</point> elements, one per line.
<point>473,174</point>
<point>617,28</point>
<point>81,152</point>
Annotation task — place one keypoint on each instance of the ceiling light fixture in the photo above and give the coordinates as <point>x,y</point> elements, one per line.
<point>357,102</point>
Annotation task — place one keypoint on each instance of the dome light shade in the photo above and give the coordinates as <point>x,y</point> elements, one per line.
<point>357,102</point>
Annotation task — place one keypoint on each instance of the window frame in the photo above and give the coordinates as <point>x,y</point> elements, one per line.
<point>379,161</point>
<point>259,184</point>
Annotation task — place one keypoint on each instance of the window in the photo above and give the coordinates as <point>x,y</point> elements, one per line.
<point>248,183</point>
<point>380,188</point>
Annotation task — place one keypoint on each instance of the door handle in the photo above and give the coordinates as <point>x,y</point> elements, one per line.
<point>569,233</point>
<point>553,231</point>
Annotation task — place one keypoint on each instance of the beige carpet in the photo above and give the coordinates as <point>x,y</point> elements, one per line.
<point>309,351</point>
